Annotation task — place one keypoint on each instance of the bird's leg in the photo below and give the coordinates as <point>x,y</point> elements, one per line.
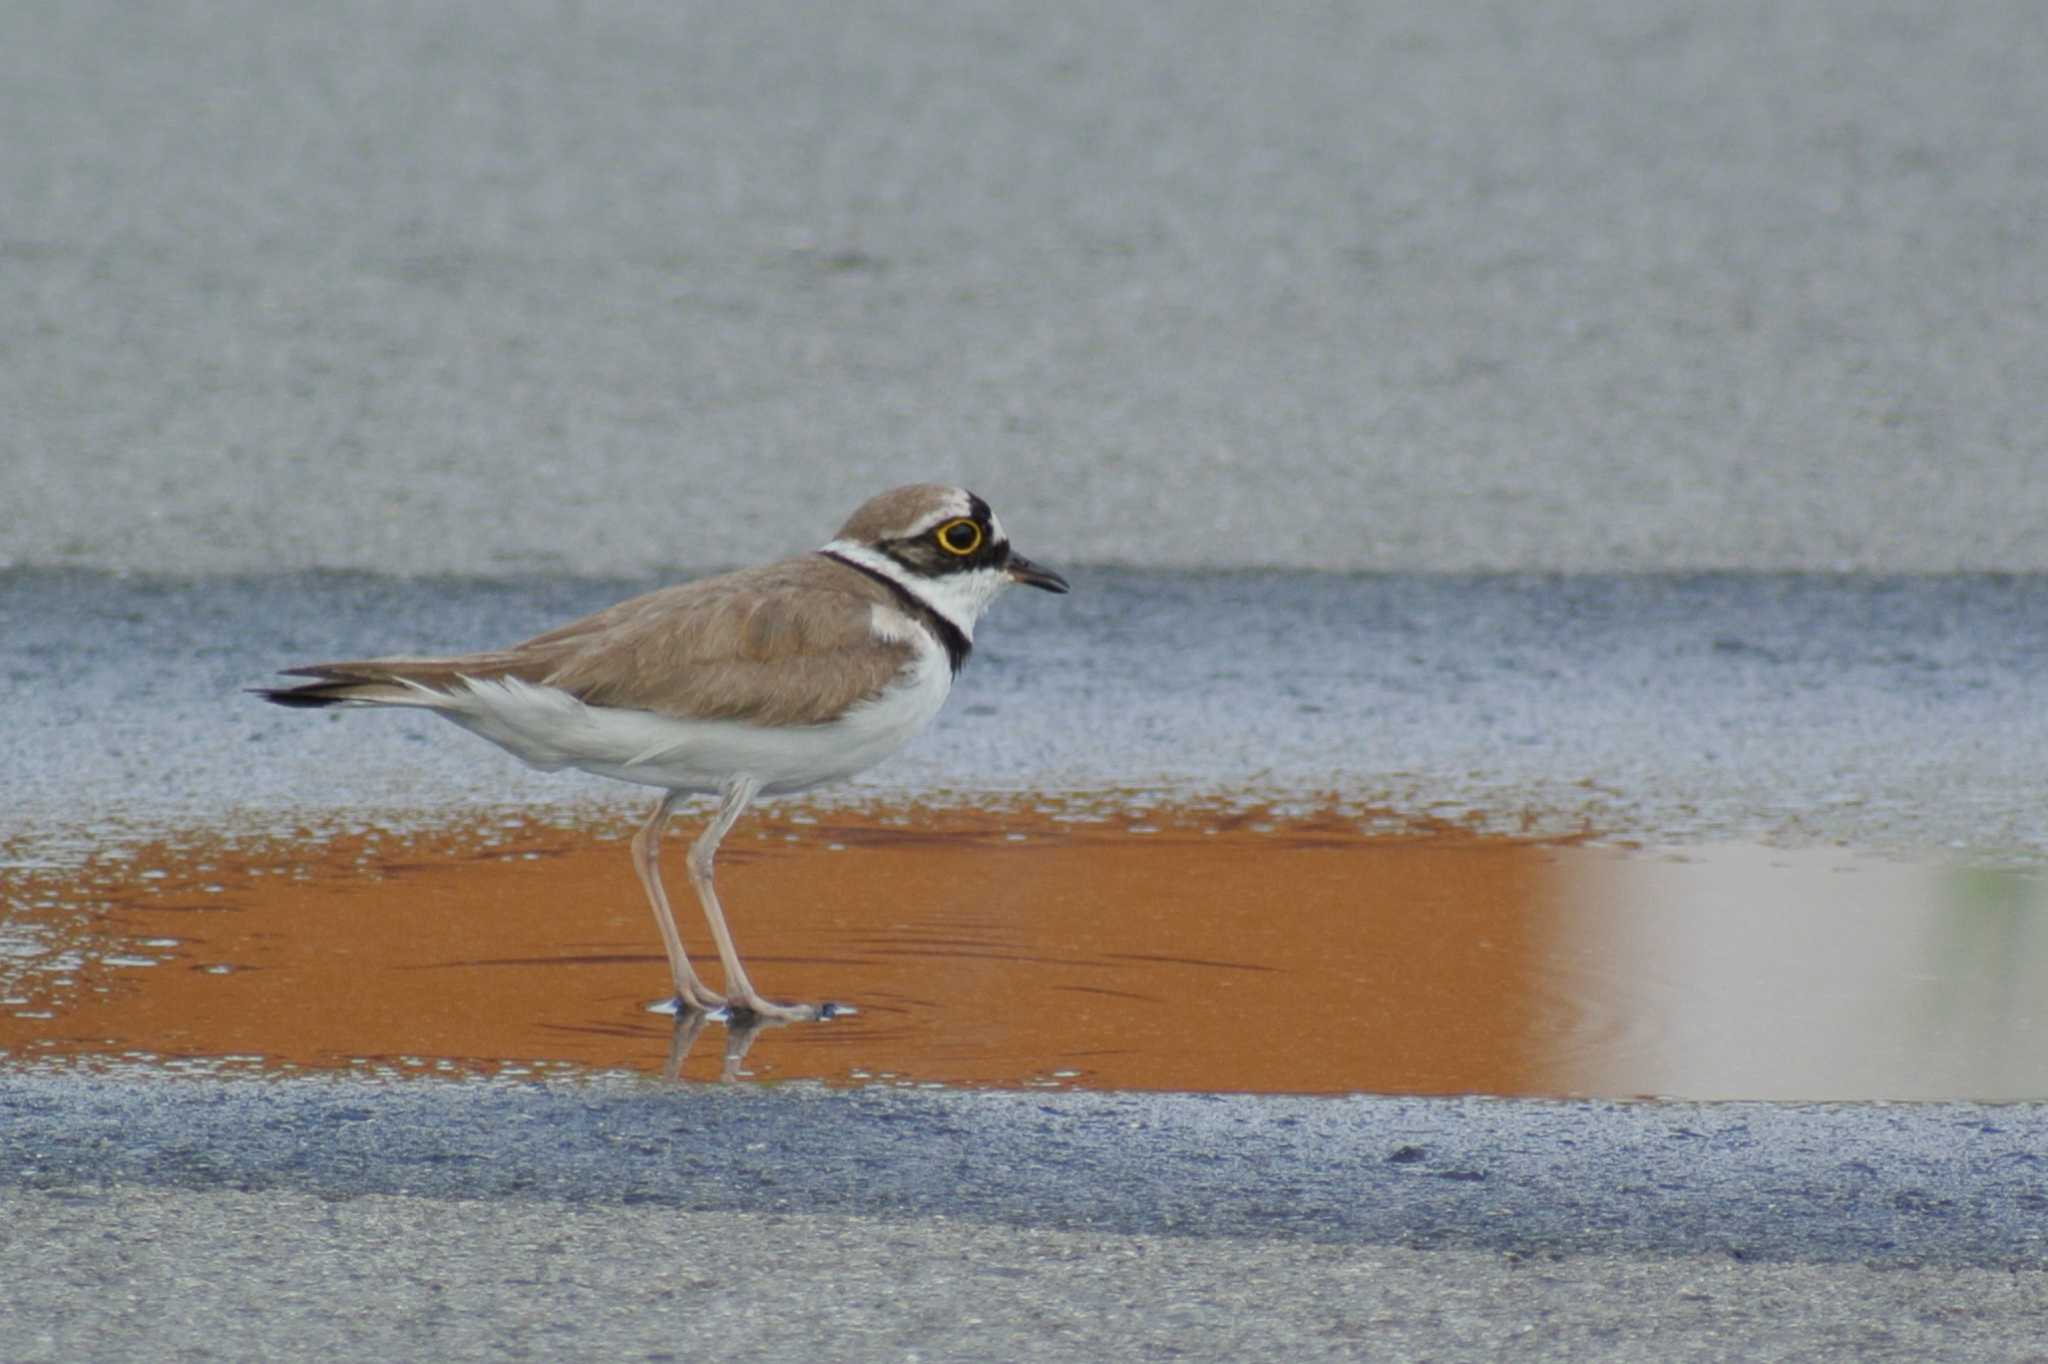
<point>691,992</point>
<point>741,996</point>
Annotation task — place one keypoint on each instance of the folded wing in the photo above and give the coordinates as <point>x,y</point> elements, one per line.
<point>792,643</point>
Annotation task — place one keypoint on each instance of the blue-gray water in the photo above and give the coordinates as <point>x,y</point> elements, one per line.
<point>1890,714</point>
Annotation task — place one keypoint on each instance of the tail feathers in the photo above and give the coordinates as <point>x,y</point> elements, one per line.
<point>359,685</point>
<point>311,697</point>
<point>315,695</point>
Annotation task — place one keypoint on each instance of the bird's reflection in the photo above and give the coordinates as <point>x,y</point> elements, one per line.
<point>739,1037</point>
<point>742,1026</point>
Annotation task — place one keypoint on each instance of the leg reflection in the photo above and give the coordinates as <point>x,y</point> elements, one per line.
<point>740,1031</point>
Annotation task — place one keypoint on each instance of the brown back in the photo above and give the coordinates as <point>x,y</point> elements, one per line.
<point>788,643</point>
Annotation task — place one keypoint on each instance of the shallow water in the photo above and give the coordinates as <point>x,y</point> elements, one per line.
<point>1184,949</point>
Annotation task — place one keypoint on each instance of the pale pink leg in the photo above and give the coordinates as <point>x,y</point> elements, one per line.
<point>740,992</point>
<point>691,992</point>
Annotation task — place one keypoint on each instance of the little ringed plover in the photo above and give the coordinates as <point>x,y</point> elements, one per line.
<point>761,682</point>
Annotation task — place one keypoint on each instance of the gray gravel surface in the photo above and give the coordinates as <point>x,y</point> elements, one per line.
<point>1906,1185</point>
<point>624,1219</point>
<point>128,1271</point>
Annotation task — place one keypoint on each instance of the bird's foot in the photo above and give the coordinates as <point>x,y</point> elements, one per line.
<point>697,1001</point>
<point>755,1007</point>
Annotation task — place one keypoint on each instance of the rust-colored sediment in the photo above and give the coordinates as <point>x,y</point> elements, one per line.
<point>1193,951</point>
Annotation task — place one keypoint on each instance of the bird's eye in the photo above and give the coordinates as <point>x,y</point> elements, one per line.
<point>960,536</point>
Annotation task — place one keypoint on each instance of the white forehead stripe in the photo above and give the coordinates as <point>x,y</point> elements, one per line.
<point>955,505</point>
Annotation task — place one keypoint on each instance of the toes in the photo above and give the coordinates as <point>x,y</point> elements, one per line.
<point>755,1006</point>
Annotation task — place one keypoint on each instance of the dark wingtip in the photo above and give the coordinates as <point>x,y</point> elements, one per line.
<point>299,698</point>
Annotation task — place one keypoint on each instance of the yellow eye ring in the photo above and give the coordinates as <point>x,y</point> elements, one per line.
<point>959,536</point>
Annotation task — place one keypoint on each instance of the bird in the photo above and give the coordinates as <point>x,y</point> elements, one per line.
<point>764,681</point>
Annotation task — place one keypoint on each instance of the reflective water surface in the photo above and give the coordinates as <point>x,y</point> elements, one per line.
<point>1185,950</point>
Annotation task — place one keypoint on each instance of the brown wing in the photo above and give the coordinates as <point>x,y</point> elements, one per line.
<point>784,644</point>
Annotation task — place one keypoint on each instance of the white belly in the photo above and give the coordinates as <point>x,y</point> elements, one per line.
<point>551,729</point>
